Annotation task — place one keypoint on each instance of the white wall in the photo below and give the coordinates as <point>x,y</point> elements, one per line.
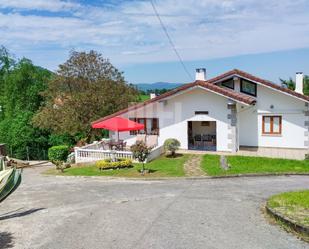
<point>293,120</point>
<point>175,113</point>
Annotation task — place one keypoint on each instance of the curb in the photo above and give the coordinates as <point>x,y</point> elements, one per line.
<point>290,223</point>
<point>177,178</point>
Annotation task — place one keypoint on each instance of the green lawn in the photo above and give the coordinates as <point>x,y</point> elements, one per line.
<point>143,97</point>
<point>161,167</point>
<point>247,165</point>
<point>293,205</point>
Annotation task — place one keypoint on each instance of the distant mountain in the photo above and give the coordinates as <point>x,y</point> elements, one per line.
<point>156,85</point>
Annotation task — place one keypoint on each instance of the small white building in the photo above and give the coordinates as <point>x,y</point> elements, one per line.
<point>224,113</point>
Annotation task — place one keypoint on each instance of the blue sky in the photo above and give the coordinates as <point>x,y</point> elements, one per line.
<point>269,38</point>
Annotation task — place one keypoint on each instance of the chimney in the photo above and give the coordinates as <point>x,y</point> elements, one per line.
<point>299,82</point>
<point>200,74</point>
<point>152,95</point>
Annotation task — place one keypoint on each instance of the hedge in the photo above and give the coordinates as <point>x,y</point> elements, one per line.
<point>58,153</point>
<point>108,164</point>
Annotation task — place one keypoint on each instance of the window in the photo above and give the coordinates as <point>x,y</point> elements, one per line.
<point>228,83</point>
<point>248,87</point>
<point>201,112</point>
<point>151,126</point>
<point>272,125</point>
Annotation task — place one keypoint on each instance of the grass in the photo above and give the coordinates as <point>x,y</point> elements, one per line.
<point>143,97</point>
<point>293,205</point>
<point>248,165</point>
<point>161,167</point>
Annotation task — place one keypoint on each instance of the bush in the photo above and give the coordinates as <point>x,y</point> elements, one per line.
<point>108,164</point>
<point>171,145</point>
<point>58,153</point>
<point>140,152</point>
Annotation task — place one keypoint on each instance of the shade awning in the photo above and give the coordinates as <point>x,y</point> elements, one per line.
<point>118,124</point>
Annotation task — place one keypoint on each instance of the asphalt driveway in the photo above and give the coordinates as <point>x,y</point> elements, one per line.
<point>59,212</point>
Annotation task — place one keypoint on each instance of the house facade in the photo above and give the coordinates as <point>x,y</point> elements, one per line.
<point>224,113</point>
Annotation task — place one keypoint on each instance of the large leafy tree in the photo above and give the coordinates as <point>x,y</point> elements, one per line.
<point>290,84</point>
<point>85,88</point>
<point>21,82</point>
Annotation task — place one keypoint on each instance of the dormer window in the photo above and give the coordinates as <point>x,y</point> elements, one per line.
<point>228,83</point>
<point>248,87</point>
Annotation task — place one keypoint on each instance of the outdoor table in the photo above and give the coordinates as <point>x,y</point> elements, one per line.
<point>117,144</point>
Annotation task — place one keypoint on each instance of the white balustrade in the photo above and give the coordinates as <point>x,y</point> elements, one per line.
<point>94,152</point>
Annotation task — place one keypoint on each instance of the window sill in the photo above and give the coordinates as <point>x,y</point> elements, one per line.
<point>271,135</point>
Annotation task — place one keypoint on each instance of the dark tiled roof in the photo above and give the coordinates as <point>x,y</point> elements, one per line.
<point>259,80</point>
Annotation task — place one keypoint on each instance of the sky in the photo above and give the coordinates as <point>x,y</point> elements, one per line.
<point>268,38</point>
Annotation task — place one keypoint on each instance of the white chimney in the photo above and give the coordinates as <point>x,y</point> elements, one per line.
<point>152,95</point>
<point>299,82</point>
<point>200,74</point>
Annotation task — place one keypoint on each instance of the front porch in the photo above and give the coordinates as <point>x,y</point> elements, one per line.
<point>202,135</point>
<point>284,153</point>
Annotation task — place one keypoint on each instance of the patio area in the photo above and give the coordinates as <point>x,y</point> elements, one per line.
<point>108,148</point>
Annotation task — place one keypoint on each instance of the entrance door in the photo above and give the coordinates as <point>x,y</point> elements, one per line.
<point>202,135</point>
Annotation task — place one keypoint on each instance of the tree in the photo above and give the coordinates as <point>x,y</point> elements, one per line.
<point>85,88</point>
<point>140,152</point>
<point>171,144</point>
<point>21,82</point>
<point>290,84</point>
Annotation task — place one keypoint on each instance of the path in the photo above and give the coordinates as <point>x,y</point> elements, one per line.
<point>192,167</point>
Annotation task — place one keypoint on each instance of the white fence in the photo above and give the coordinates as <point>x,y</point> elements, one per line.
<point>91,155</point>
<point>84,154</point>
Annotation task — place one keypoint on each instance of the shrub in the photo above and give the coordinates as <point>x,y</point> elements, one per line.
<point>140,151</point>
<point>58,153</point>
<point>108,164</point>
<point>171,145</point>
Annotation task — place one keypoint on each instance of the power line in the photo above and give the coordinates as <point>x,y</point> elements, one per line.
<point>170,39</point>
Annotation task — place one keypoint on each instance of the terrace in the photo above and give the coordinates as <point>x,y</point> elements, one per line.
<point>108,148</point>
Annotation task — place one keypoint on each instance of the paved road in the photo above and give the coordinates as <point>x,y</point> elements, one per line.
<point>57,212</point>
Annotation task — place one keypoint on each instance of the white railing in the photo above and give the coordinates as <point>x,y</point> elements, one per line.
<point>83,155</point>
<point>94,146</point>
<point>91,155</point>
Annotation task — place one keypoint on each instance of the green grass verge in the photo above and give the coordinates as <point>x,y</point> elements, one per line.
<point>250,165</point>
<point>161,167</point>
<point>143,97</point>
<point>294,205</point>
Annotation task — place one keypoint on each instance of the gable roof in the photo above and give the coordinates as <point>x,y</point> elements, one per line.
<point>212,87</point>
<point>266,83</point>
<point>237,96</point>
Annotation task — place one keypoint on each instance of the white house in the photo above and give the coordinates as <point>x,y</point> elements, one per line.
<point>224,113</point>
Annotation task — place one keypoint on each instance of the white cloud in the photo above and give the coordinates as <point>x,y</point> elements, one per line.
<point>130,32</point>
<point>53,6</point>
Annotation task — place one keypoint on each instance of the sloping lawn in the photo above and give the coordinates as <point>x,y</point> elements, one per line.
<point>247,165</point>
<point>161,167</point>
<point>143,97</point>
<point>294,205</point>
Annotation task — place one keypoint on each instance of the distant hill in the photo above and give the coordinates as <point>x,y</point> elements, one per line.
<point>157,85</point>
